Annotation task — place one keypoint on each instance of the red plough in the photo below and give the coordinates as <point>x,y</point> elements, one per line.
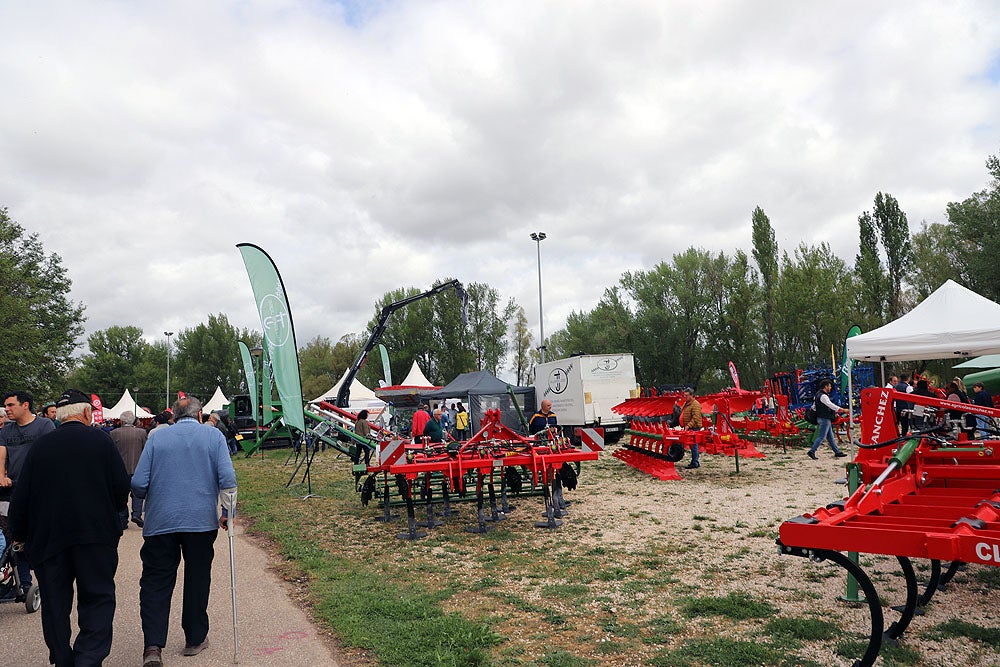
<point>930,494</point>
<point>654,446</point>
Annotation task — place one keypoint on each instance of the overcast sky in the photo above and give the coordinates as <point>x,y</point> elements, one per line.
<point>371,146</point>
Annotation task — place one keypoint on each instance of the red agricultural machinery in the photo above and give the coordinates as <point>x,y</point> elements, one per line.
<point>655,445</point>
<point>931,493</point>
<point>496,456</point>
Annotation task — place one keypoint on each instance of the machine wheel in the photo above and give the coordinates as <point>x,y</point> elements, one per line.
<point>32,599</point>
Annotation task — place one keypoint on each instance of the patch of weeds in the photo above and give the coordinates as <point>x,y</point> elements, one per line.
<point>661,629</point>
<point>900,655</point>
<point>614,574</point>
<point>850,647</point>
<point>627,630</point>
<point>718,651</point>
<point>737,606</point>
<point>761,532</point>
<point>607,647</point>
<point>565,659</point>
<point>959,628</point>
<point>790,632</point>
<point>485,583</point>
<point>988,579</point>
<point>702,517</point>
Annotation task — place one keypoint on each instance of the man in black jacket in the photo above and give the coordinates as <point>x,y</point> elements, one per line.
<point>65,512</point>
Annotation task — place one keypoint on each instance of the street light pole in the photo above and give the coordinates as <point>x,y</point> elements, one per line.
<point>168,334</point>
<point>538,237</point>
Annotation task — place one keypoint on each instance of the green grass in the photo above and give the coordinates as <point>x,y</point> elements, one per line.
<point>401,624</point>
<point>959,628</point>
<point>719,652</point>
<point>736,606</point>
<point>802,629</point>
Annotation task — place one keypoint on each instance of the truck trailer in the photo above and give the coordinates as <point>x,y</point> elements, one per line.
<point>584,388</point>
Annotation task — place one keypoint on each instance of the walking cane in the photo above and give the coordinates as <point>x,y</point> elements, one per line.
<point>231,499</point>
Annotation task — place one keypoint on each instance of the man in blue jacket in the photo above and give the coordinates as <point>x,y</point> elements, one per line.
<point>182,472</point>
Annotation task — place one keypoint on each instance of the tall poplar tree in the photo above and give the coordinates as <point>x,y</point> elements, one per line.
<point>765,254</point>
<point>894,231</point>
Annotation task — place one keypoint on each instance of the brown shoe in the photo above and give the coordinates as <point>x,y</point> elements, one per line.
<point>195,649</point>
<point>152,657</point>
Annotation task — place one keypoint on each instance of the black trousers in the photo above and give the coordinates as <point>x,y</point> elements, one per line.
<point>161,554</point>
<point>93,567</point>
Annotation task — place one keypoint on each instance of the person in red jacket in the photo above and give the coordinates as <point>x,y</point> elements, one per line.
<point>420,419</point>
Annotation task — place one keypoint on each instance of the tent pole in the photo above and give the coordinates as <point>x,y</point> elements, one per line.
<point>882,365</point>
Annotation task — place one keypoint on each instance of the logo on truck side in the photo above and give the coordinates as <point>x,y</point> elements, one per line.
<point>558,380</point>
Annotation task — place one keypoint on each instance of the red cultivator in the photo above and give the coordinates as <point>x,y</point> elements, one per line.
<point>654,446</point>
<point>932,494</point>
<point>495,455</point>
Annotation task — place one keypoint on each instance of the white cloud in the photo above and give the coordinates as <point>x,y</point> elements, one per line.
<point>370,147</point>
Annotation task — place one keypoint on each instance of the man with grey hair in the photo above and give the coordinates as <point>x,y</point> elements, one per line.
<point>130,440</point>
<point>65,511</point>
<point>181,473</point>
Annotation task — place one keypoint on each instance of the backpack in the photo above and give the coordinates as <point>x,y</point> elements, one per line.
<point>810,414</point>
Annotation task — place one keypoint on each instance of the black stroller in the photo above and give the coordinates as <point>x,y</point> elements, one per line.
<point>10,580</point>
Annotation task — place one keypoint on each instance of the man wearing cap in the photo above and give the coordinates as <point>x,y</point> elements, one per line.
<point>181,474</point>
<point>65,512</point>
<point>17,436</point>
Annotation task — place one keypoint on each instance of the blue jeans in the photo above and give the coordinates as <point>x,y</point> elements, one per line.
<point>824,429</point>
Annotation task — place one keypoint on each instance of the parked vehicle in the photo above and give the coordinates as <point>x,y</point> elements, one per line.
<point>584,388</point>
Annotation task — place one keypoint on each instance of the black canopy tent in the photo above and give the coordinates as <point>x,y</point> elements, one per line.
<point>480,391</point>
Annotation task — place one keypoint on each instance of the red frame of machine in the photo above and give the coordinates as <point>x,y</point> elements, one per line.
<point>942,503</point>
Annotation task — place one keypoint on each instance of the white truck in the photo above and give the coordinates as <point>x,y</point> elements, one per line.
<point>584,388</point>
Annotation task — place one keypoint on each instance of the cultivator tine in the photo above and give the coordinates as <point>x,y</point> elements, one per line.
<point>412,533</point>
<point>387,515</point>
<point>446,508</point>
<point>431,522</point>
<point>495,514</point>
<point>891,636</point>
<point>552,522</point>
<point>480,526</point>
<point>505,507</point>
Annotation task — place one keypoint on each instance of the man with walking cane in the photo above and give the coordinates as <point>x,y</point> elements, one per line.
<point>182,473</point>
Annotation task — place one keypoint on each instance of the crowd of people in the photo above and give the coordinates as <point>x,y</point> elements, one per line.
<point>442,423</point>
<point>182,484</point>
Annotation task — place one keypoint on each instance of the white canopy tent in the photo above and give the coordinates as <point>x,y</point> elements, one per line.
<point>952,322</point>
<point>217,402</point>
<point>126,403</point>
<point>362,398</point>
<point>415,378</point>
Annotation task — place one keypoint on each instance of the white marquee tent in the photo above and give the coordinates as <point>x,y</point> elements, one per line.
<point>126,403</point>
<point>362,398</point>
<point>415,378</point>
<point>217,402</point>
<point>952,322</point>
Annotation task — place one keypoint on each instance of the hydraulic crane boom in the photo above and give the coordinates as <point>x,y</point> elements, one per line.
<point>344,395</point>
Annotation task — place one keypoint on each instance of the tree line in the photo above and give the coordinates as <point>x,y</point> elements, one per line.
<point>684,319</point>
